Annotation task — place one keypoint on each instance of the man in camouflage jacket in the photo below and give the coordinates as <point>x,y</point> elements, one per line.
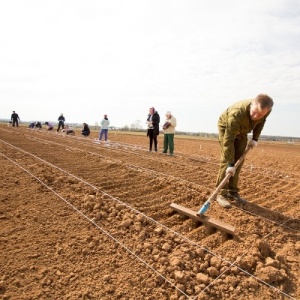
<point>234,124</point>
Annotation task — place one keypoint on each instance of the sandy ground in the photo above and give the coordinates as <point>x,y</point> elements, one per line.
<point>81,220</point>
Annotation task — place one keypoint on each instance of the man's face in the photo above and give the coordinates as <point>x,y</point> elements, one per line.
<point>256,112</point>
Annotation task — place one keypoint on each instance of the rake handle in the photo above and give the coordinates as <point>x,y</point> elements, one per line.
<point>213,196</point>
<point>227,177</point>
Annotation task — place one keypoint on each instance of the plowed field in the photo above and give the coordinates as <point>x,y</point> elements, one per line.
<point>81,220</point>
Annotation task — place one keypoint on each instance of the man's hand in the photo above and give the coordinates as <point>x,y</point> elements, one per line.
<point>230,170</point>
<point>252,144</point>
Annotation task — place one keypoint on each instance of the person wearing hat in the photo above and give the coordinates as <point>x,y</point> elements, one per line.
<point>15,118</point>
<point>153,120</point>
<point>104,128</point>
<point>169,132</point>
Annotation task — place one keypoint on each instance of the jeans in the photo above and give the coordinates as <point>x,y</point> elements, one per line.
<point>105,132</point>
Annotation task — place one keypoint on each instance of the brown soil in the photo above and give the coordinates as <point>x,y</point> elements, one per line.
<point>81,220</point>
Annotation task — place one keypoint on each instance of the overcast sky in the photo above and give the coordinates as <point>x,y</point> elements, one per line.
<point>88,58</point>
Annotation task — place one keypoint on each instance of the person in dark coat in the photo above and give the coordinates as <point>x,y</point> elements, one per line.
<point>61,122</point>
<point>86,130</point>
<point>234,124</point>
<point>153,121</point>
<point>38,125</point>
<point>15,119</point>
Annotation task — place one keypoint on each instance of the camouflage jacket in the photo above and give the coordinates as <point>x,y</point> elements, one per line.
<point>235,123</point>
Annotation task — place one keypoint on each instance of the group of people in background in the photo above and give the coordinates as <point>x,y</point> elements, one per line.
<point>38,125</point>
<point>66,129</point>
<point>153,121</point>
<point>35,125</point>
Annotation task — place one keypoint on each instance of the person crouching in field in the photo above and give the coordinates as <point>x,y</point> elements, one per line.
<point>68,130</point>
<point>86,130</point>
<point>38,125</point>
<point>49,125</point>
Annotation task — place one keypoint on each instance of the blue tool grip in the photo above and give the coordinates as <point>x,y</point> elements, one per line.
<point>204,208</point>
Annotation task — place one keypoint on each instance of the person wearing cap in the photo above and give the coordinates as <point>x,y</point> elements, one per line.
<point>153,120</point>
<point>15,119</point>
<point>104,128</point>
<point>61,122</point>
<point>234,124</point>
<point>169,132</point>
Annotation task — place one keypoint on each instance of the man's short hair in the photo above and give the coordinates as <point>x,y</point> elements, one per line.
<point>265,101</point>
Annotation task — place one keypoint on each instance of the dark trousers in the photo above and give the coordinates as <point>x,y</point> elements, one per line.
<point>15,122</point>
<point>83,132</point>
<point>60,125</point>
<point>152,138</point>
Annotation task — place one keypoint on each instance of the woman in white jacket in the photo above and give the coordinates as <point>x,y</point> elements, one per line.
<point>104,128</point>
